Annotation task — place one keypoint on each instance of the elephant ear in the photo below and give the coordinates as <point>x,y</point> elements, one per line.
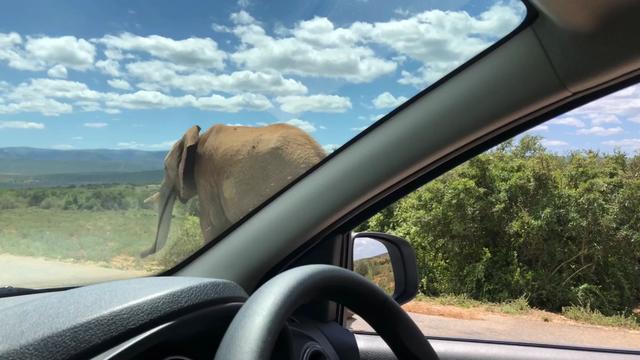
<point>186,179</point>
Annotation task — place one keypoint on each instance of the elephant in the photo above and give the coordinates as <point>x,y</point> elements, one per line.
<point>232,170</point>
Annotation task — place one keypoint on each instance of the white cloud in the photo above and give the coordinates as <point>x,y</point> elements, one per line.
<point>304,125</point>
<point>68,51</point>
<point>439,40</point>
<point>376,117</point>
<point>627,144</point>
<point>58,71</point>
<point>244,3</point>
<point>442,40</point>
<point>159,75</point>
<point>12,52</point>
<point>21,125</point>
<point>119,84</point>
<point>77,138</point>
<point>313,48</point>
<point>623,104</point>
<point>39,53</point>
<point>45,96</point>
<point>4,87</point>
<point>144,99</point>
<point>329,148</point>
<point>62,147</point>
<point>358,129</point>
<point>553,143</point>
<point>234,103</point>
<point>601,119</point>
<point>386,100</point>
<point>109,67</point>
<point>568,121</point>
<point>95,125</point>
<point>165,145</point>
<point>147,100</point>
<point>242,17</point>
<point>402,12</point>
<point>47,107</point>
<point>600,131</point>
<point>314,103</point>
<point>53,88</point>
<point>540,128</point>
<point>192,52</point>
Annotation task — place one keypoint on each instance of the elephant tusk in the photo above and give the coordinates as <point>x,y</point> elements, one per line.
<point>155,198</point>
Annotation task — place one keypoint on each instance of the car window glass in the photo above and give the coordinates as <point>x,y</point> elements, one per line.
<point>535,240</point>
<point>133,133</point>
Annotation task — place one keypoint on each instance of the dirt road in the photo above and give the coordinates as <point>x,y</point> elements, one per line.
<point>23,271</point>
<point>465,323</point>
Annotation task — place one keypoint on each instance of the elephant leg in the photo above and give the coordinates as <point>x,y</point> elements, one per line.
<point>212,220</point>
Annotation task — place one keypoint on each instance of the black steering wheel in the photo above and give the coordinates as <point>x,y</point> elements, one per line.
<point>254,330</point>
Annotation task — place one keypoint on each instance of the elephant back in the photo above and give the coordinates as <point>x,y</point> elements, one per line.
<point>249,164</point>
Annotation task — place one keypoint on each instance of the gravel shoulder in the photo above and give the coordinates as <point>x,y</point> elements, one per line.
<point>533,327</point>
<point>31,272</point>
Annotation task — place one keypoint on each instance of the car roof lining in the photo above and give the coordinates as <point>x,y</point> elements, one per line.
<point>518,81</point>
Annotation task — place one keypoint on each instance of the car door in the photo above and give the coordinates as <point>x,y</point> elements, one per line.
<point>525,251</point>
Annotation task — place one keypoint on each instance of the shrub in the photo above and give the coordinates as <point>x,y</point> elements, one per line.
<point>186,242</point>
<point>593,316</point>
<point>563,229</point>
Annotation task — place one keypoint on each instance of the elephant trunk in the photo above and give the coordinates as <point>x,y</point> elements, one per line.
<point>166,200</point>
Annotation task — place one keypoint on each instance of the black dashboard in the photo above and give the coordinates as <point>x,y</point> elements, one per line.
<point>164,318</point>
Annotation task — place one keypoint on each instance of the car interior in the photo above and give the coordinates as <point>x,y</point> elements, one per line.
<point>277,284</point>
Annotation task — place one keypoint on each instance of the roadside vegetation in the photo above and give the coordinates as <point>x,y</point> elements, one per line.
<point>520,222</point>
<point>514,229</point>
<point>109,225</point>
<point>520,306</point>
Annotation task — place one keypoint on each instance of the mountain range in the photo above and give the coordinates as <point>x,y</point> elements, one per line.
<point>32,167</point>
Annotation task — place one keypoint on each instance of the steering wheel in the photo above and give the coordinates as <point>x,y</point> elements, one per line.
<point>254,330</point>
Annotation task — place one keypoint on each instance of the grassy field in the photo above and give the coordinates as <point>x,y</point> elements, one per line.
<point>113,238</point>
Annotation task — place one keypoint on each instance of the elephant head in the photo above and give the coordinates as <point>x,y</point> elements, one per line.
<point>178,183</point>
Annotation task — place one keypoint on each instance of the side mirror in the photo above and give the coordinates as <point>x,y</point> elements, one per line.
<point>388,261</point>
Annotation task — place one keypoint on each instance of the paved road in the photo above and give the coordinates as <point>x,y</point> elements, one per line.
<point>22,271</point>
<point>515,328</point>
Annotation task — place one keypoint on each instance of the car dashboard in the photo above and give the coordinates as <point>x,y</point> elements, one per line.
<point>160,318</point>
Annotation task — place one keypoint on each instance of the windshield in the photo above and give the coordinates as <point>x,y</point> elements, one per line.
<point>131,133</point>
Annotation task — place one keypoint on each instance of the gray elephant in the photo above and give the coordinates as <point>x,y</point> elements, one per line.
<point>232,170</point>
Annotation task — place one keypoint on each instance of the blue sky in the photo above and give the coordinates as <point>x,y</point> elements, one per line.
<point>607,124</point>
<point>127,74</point>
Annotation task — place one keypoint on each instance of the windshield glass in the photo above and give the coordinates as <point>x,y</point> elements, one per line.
<point>133,133</point>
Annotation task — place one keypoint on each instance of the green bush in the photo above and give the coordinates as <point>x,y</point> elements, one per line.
<point>521,222</point>
<point>187,241</point>
<point>87,197</point>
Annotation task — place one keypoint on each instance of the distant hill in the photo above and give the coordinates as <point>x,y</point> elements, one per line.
<point>33,161</point>
<point>22,167</point>
<point>52,180</point>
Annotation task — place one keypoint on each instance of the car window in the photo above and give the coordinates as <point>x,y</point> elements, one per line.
<point>536,240</point>
<point>132,133</point>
